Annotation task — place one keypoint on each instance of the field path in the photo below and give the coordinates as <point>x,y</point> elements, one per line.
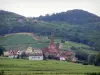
<point>29,34</point>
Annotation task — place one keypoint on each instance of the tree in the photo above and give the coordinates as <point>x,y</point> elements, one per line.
<point>62,41</point>
<point>23,55</point>
<point>82,56</point>
<point>2,49</point>
<point>97,59</point>
<point>91,59</point>
<point>2,72</point>
<point>73,48</point>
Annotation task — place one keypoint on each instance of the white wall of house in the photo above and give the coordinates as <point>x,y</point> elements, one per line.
<point>35,57</point>
<point>6,53</point>
<point>13,56</point>
<point>62,58</point>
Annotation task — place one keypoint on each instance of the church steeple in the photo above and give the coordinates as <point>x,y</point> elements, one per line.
<point>52,39</point>
<point>52,48</point>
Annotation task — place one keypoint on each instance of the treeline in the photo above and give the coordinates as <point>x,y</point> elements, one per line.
<point>91,59</point>
<point>75,16</point>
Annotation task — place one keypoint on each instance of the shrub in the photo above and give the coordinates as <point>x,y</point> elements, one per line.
<point>2,72</point>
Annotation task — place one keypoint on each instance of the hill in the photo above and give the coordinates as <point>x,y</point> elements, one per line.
<point>75,16</point>
<point>84,29</point>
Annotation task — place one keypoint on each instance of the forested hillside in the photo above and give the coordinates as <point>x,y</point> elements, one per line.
<point>75,16</point>
<point>76,25</point>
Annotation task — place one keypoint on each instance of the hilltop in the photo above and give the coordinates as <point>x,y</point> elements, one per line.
<point>76,16</point>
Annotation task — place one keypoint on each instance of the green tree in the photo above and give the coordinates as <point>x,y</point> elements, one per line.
<point>91,59</point>
<point>97,59</point>
<point>2,49</point>
<point>2,72</point>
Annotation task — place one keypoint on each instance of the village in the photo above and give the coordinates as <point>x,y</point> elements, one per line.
<point>52,51</point>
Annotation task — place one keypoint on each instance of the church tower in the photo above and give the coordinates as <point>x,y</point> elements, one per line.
<point>52,39</point>
<point>52,47</point>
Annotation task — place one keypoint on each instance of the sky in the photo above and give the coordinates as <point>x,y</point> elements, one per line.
<point>35,8</point>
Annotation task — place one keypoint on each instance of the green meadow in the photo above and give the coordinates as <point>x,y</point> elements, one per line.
<point>45,67</point>
<point>22,41</point>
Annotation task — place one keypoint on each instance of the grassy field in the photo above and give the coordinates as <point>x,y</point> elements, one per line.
<point>47,67</point>
<point>22,41</point>
<point>79,47</point>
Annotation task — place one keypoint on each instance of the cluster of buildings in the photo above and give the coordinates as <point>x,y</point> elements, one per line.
<point>52,51</point>
<point>30,53</point>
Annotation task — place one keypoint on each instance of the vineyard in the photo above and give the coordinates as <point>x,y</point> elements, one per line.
<point>46,67</point>
<point>22,41</point>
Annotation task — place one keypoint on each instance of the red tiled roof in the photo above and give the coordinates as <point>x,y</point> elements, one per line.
<point>13,52</point>
<point>68,53</point>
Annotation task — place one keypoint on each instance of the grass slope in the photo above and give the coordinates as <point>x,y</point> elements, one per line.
<point>50,67</point>
<point>78,47</point>
<point>23,40</point>
<point>67,46</point>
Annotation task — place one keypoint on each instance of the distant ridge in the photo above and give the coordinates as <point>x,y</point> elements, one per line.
<point>76,16</point>
<point>4,12</point>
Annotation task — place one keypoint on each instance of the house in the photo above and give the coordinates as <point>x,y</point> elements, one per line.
<point>74,59</point>
<point>68,55</point>
<point>14,53</point>
<point>6,53</point>
<point>29,50</point>
<point>34,53</point>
